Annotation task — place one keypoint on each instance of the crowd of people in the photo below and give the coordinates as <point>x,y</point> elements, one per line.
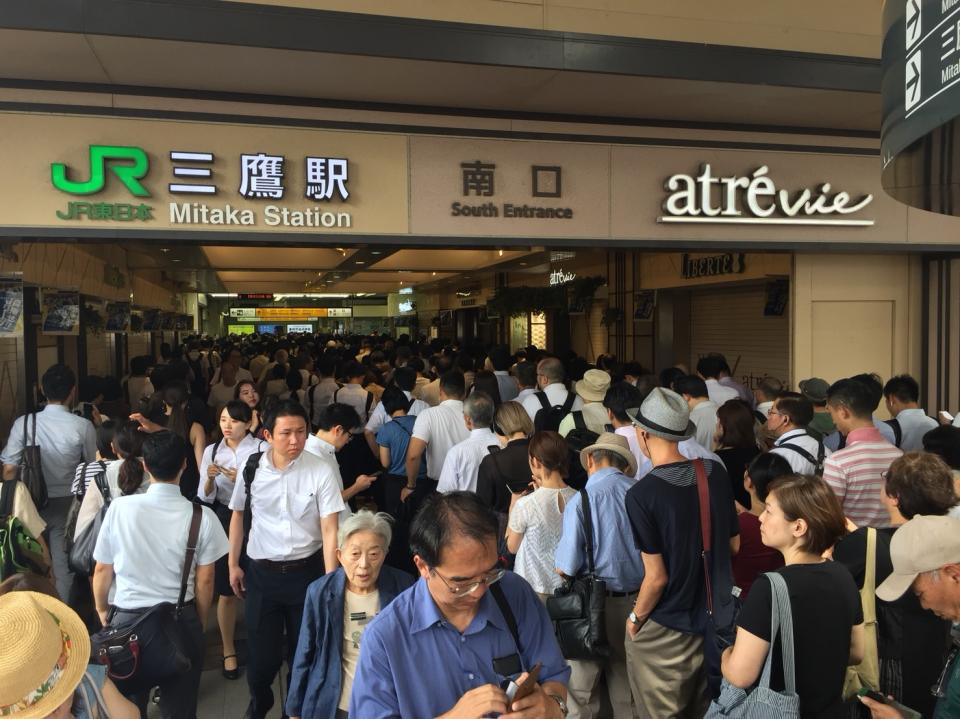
<point>397,520</point>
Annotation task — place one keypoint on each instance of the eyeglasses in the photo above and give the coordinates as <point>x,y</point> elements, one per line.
<point>939,689</point>
<point>491,577</point>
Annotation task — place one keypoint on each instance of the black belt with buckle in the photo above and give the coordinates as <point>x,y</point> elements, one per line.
<point>622,594</point>
<point>294,565</point>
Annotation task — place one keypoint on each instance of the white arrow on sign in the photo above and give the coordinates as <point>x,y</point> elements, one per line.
<point>913,23</point>
<point>912,81</point>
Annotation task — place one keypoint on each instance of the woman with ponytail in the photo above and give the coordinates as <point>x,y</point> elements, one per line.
<point>123,476</point>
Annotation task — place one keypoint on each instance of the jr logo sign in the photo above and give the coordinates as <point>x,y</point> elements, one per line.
<point>128,164</point>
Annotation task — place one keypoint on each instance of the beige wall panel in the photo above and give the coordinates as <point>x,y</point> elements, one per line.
<point>138,344</point>
<point>99,354</point>
<point>377,176</point>
<point>855,313</point>
<point>437,183</point>
<point>639,174</point>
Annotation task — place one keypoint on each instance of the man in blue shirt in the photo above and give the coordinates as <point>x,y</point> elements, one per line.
<point>445,647</point>
<point>610,467</point>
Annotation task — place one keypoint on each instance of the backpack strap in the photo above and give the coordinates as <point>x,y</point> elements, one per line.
<point>337,391</point>
<point>542,396</point>
<point>500,598</point>
<point>897,430</point>
<point>568,403</point>
<point>310,393</point>
<point>249,472</point>
<point>706,528</point>
<point>216,448</point>
<point>578,422</point>
<point>369,403</point>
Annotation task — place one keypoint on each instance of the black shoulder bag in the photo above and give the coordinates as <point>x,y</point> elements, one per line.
<point>577,608</point>
<point>31,470</point>
<point>151,649</point>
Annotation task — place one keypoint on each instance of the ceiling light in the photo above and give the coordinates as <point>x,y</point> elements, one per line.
<point>500,252</point>
<point>360,262</point>
<point>376,252</point>
<point>523,264</point>
<point>165,249</point>
<point>434,274</point>
<point>175,260</point>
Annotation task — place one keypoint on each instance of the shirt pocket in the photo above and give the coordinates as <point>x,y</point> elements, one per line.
<point>303,506</point>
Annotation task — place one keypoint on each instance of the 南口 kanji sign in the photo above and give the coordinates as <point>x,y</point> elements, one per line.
<point>157,174</point>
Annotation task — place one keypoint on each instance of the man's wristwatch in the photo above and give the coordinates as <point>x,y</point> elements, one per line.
<point>633,619</point>
<point>563,705</point>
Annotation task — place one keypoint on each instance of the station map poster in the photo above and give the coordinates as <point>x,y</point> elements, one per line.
<point>61,313</point>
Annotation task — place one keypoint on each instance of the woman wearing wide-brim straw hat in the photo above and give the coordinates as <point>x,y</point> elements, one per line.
<point>43,664</point>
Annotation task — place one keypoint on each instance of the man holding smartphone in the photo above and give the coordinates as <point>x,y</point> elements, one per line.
<point>481,627</point>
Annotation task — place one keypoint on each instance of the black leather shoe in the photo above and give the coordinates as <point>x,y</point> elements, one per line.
<point>231,673</point>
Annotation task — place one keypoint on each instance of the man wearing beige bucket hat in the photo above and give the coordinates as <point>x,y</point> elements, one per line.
<point>593,415</point>
<point>669,625</point>
<point>926,559</point>
<point>43,663</point>
<point>610,469</point>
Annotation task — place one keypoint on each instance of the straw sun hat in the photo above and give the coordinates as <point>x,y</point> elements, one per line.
<point>44,649</point>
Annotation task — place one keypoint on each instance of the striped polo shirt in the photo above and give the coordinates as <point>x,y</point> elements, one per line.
<point>855,476</point>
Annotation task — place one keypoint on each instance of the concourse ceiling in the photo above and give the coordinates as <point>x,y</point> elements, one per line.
<point>351,270</point>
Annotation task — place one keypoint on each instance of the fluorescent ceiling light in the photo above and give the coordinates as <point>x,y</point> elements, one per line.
<point>310,295</point>
<point>223,294</point>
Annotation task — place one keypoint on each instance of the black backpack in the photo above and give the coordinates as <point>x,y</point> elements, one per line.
<point>580,437</point>
<point>549,418</point>
<point>817,461</point>
<point>249,472</point>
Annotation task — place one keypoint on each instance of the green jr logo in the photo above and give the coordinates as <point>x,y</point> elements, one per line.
<point>129,164</point>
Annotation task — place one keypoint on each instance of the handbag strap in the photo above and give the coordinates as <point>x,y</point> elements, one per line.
<point>868,595</point>
<point>101,705</point>
<point>781,622</point>
<point>587,529</point>
<point>33,430</point>
<point>706,529</point>
<point>100,479</point>
<point>191,551</point>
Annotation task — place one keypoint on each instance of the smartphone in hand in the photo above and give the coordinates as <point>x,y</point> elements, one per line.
<point>525,688</point>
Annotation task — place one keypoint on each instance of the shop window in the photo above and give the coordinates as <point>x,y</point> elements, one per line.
<point>538,330</point>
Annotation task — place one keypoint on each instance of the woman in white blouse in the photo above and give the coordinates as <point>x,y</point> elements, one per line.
<point>221,466</point>
<point>536,519</point>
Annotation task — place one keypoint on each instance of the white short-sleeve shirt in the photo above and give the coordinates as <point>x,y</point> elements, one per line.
<point>228,459</point>
<point>144,537</point>
<point>379,416</point>
<point>287,506</point>
<point>441,427</point>
<point>462,463</point>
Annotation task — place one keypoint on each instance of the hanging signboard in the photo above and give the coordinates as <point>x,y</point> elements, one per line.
<point>61,313</point>
<point>118,317</point>
<point>11,308</point>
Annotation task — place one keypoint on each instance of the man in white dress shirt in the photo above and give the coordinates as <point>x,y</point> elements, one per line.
<point>462,463</point>
<point>550,378</point>
<point>336,423</point>
<point>788,420</point>
<point>293,511</point>
<point>435,432</point>
<point>501,360</point>
<point>703,410</point>
<point>142,545</point>
<point>710,368</point>
<point>65,440</point>
<point>526,376</point>
<point>910,422</point>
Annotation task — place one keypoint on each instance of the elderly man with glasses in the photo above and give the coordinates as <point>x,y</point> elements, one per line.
<point>450,645</point>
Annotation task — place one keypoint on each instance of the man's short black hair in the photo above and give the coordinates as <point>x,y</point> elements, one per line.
<point>692,385</point>
<point>164,455</point>
<point>58,382</point>
<point>445,516</point>
<point>500,358</point>
<point>799,410</point>
<point>669,376</point>
<point>633,369</point>
<point>453,385</point>
<point>620,397</point>
<point>405,378</point>
<point>944,441</point>
<point>903,387</point>
<point>873,383</point>
<point>856,396</point>
<point>338,414</point>
<point>284,408</point>
<point>711,366</point>
<point>416,364</point>
<point>327,366</point>
<point>526,374</point>
<point>354,369</point>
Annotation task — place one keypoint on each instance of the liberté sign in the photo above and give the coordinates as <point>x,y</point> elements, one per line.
<point>262,177</point>
<point>755,199</point>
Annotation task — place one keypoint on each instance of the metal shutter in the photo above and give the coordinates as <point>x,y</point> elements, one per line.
<point>730,320</point>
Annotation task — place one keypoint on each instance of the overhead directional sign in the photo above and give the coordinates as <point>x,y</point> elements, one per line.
<point>921,101</point>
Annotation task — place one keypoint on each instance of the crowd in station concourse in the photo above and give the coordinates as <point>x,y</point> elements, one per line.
<point>416,528</point>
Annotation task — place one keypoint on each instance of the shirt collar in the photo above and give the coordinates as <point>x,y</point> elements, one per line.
<point>790,435</point>
<point>864,434</point>
<point>912,412</point>
<point>324,446</point>
<point>451,402</point>
<point>483,433</point>
<point>268,458</point>
<point>164,488</point>
<point>501,372</point>
<point>57,408</point>
<point>602,474</point>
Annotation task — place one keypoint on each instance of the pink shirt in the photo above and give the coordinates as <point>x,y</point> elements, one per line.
<point>854,475</point>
